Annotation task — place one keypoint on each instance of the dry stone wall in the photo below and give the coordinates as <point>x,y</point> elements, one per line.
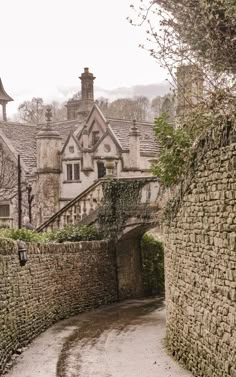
<point>59,280</point>
<point>200,261</point>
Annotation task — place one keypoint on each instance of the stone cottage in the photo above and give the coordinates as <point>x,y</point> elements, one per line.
<point>60,160</point>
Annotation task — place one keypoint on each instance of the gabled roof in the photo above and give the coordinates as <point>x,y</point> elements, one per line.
<point>71,135</point>
<point>121,128</point>
<point>23,138</point>
<point>108,132</point>
<point>3,94</point>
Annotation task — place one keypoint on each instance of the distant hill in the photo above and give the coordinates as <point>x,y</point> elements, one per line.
<point>62,94</point>
<point>149,91</point>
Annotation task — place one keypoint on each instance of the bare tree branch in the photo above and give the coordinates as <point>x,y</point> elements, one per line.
<point>8,175</point>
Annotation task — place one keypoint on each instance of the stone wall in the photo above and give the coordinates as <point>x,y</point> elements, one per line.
<point>200,261</point>
<point>59,280</point>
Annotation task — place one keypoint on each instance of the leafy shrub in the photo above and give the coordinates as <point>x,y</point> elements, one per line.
<point>175,148</point>
<point>153,265</point>
<point>22,234</point>
<point>73,233</point>
<point>69,233</point>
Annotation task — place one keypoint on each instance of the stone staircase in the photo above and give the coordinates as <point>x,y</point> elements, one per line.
<point>83,209</point>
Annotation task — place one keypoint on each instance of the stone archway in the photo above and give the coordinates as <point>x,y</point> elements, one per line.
<point>130,264</point>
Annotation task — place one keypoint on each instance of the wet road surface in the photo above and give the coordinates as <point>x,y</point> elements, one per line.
<point>119,340</point>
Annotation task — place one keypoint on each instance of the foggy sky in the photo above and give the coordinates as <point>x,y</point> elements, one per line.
<point>46,44</point>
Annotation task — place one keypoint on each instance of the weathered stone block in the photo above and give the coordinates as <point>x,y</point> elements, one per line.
<point>201,325</point>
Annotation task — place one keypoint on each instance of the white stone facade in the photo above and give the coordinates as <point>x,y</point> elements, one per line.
<point>62,159</point>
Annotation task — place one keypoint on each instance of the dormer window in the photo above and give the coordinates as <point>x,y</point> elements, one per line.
<point>95,137</point>
<point>73,172</point>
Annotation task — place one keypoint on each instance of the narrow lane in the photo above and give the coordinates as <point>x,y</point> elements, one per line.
<point>119,340</point>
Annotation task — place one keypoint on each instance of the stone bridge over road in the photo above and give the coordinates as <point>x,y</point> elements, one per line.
<point>125,208</point>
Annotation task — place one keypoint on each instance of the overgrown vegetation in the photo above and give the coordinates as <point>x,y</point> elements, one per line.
<point>120,197</point>
<point>67,234</point>
<point>174,151</point>
<point>179,145</point>
<point>201,35</point>
<point>190,32</point>
<point>153,265</point>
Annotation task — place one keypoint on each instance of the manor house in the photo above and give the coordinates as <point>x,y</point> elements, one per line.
<point>60,160</point>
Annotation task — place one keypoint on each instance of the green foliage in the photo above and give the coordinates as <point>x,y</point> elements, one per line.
<point>153,265</point>
<point>120,197</point>
<point>174,151</point>
<point>73,233</point>
<point>69,233</point>
<point>22,234</point>
<point>178,146</point>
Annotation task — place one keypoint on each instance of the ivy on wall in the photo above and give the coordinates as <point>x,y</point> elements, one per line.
<point>153,265</point>
<point>210,125</point>
<point>120,200</point>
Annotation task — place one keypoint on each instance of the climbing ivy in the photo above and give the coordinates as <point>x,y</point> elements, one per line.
<point>153,265</point>
<point>175,148</point>
<point>120,197</point>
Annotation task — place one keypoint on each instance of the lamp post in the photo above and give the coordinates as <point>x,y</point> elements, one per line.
<point>19,192</point>
<point>30,199</point>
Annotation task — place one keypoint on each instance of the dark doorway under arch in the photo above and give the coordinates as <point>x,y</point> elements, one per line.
<point>152,256</point>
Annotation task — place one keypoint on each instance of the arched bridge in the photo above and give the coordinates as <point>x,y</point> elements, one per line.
<point>124,208</point>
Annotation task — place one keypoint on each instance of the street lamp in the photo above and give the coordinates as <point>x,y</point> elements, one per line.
<point>30,199</point>
<point>22,251</point>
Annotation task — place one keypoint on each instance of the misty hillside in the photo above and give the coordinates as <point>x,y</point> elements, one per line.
<point>149,91</point>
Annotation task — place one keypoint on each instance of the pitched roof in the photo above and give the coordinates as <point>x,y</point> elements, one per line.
<point>121,128</point>
<point>3,94</point>
<point>23,138</point>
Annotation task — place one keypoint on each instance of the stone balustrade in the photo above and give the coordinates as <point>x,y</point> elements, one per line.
<point>91,199</point>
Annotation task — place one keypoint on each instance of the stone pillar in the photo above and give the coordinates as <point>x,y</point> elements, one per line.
<point>189,88</point>
<point>48,171</point>
<point>109,165</point>
<point>134,147</point>
<point>4,111</point>
<point>87,156</point>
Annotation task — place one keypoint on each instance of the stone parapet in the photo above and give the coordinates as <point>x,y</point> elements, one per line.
<point>58,281</point>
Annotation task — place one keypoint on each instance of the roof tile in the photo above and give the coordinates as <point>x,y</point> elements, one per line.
<point>121,128</point>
